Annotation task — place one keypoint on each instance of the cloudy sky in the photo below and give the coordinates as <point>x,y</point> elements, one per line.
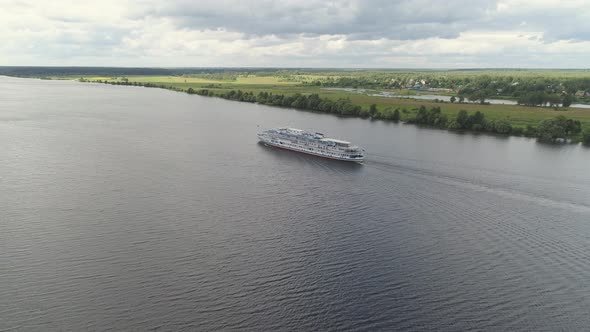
<point>297,33</point>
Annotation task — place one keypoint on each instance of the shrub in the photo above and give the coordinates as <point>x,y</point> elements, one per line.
<point>518,131</point>
<point>395,117</point>
<point>530,131</point>
<point>453,125</point>
<point>502,127</point>
<point>463,119</point>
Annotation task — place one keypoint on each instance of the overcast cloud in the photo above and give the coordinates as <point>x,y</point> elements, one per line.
<point>312,33</point>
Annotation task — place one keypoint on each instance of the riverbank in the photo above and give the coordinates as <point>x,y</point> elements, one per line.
<point>496,119</point>
<point>293,90</point>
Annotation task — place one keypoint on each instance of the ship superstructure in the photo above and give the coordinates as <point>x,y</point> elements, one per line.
<point>312,143</point>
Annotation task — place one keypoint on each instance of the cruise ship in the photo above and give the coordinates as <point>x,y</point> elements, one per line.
<point>311,143</point>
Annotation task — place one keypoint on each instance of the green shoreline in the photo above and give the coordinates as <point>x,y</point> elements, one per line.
<point>559,129</point>
<point>305,89</point>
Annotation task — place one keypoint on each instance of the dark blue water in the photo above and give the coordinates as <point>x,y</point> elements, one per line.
<point>126,208</point>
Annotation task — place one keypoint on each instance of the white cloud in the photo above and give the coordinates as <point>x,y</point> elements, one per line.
<point>354,33</point>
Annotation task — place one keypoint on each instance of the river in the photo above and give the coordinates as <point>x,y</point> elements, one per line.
<point>130,208</point>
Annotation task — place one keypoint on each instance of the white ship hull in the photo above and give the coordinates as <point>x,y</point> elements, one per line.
<point>312,145</point>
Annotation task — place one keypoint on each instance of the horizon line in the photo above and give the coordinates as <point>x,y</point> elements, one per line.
<point>301,68</point>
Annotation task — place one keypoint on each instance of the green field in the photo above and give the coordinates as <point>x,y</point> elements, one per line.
<point>518,116</point>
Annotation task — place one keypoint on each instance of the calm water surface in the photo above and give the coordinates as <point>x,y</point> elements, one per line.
<point>127,208</point>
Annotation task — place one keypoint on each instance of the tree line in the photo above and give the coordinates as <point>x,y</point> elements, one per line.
<point>539,98</point>
<point>313,102</point>
<point>548,130</point>
<point>506,83</point>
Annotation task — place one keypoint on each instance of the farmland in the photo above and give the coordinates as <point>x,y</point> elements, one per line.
<point>296,83</point>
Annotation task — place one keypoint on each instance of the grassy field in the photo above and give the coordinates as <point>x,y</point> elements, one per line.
<point>189,79</point>
<point>518,116</point>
